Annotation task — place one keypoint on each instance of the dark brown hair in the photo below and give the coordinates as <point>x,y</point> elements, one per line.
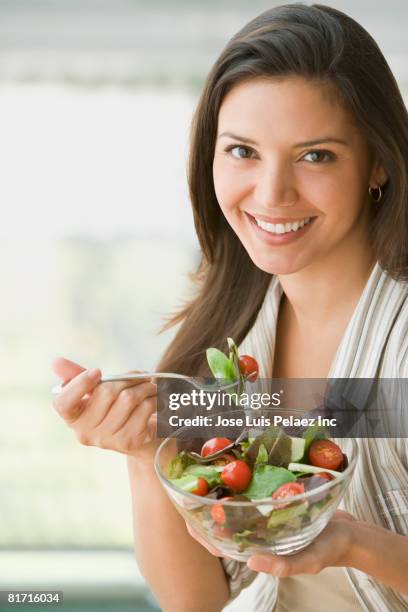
<point>319,43</point>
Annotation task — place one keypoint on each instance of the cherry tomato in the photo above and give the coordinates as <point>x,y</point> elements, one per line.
<point>248,366</point>
<point>325,454</point>
<point>289,489</point>
<point>325,475</point>
<point>218,512</point>
<point>202,487</point>
<point>236,475</point>
<point>214,445</point>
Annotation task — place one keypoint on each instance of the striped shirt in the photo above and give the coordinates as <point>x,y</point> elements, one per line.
<point>375,344</point>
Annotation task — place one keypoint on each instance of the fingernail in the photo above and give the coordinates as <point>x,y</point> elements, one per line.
<point>94,374</point>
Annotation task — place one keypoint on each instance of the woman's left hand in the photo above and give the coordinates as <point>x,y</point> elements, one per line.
<point>345,542</point>
<point>330,549</point>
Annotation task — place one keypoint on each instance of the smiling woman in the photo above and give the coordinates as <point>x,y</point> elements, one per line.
<point>299,184</point>
<point>298,179</point>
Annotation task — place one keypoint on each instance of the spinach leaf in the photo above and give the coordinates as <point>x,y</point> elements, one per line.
<point>220,365</point>
<point>266,479</point>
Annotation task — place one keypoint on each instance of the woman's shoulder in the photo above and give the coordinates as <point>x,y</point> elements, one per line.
<point>397,345</point>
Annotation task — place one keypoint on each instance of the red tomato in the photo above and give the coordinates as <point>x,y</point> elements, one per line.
<point>202,487</point>
<point>325,454</point>
<point>236,475</point>
<point>289,489</point>
<point>218,512</point>
<point>214,445</point>
<point>248,366</point>
<point>325,475</point>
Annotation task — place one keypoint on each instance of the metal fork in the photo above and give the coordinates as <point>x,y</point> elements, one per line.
<point>195,381</point>
<point>209,458</point>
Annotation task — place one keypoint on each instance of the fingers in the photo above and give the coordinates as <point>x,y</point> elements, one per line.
<point>137,430</point>
<point>303,562</point>
<point>214,551</point>
<point>131,436</point>
<point>115,415</point>
<point>66,369</point>
<point>129,405</point>
<point>329,549</point>
<point>112,403</point>
<point>69,403</point>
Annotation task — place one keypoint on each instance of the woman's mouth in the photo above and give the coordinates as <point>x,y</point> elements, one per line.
<point>282,231</point>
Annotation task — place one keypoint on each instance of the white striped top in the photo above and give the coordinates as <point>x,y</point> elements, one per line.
<point>375,344</point>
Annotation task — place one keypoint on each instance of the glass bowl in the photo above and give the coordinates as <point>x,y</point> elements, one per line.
<point>240,529</point>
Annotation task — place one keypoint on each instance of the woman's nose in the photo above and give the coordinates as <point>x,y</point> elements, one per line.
<point>274,187</point>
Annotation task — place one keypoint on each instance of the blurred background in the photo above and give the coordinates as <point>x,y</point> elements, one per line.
<point>96,243</point>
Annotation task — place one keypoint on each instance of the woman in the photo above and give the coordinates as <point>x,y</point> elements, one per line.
<point>299,185</point>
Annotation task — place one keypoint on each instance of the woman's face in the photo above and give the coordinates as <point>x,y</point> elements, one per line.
<point>291,174</point>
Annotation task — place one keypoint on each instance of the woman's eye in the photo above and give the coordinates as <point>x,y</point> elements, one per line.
<point>240,152</point>
<point>319,156</point>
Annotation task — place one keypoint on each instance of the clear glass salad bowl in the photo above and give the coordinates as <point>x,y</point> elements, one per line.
<point>239,528</point>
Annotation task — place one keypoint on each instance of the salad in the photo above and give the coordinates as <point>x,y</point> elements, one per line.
<point>271,466</point>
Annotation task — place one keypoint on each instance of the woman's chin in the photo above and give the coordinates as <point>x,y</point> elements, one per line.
<point>275,266</point>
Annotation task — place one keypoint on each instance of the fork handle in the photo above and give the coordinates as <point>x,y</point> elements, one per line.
<point>139,375</point>
<point>118,377</point>
<point>123,377</point>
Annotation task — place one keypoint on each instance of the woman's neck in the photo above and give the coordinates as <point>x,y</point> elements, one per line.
<point>327,291</point>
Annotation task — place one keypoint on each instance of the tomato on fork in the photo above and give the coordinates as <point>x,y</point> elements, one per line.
<point>248,366</point>
<point>214,445</point>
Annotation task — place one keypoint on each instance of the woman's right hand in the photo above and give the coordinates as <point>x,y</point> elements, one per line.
<point>118,416</point>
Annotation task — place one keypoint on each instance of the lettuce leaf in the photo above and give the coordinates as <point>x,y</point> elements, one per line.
<point>186,483</point>
<point>220,365</point>
<point>210,473</point>
<point>262,456</point>
<point>178,464</point>
<point>266,479</point>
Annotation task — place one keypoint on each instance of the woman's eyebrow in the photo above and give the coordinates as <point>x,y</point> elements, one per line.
<point>241,138</point>
<point>308,143</point>
<point>311,143</point>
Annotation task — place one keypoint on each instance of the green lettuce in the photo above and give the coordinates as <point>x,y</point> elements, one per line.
<point>265,480</point>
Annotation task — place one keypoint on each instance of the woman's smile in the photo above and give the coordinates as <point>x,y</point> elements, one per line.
<point>280,231</point>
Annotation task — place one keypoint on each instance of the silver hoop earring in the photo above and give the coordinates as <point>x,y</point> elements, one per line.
<point>377,196</point>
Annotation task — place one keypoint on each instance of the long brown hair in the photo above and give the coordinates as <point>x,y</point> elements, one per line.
<point>327,46</point>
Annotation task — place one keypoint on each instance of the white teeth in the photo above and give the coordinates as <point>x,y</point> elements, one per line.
<point>281,228</point>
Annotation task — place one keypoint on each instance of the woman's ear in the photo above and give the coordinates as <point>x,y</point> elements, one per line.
<point>378,176</point>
